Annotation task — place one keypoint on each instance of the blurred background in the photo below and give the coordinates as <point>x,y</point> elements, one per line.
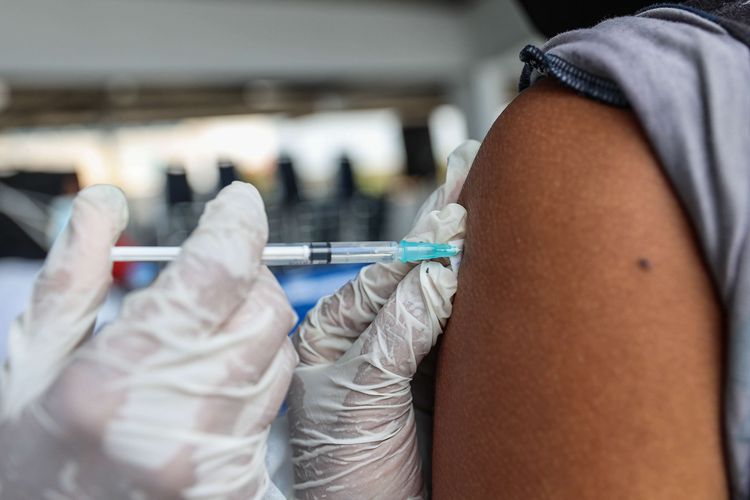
<point>342,113</point>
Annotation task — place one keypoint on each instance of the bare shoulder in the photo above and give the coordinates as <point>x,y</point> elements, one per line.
<point>583,358</point>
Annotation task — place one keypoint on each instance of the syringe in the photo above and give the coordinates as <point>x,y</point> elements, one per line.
<point>296,254</point>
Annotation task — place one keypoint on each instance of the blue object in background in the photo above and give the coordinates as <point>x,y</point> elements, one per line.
<point>306,285</point>
<point>142,274</point>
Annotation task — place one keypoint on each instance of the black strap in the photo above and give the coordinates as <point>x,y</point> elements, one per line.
<point>320,252</point>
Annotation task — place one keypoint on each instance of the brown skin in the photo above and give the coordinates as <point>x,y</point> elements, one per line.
<point>583,359</point>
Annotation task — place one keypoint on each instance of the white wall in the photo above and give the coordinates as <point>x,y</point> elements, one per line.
<point>92,41</point>
<point>492,26</point>
<point>54,41</point>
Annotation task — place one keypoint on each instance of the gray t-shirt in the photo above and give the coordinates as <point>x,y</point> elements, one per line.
<point>688,81</point>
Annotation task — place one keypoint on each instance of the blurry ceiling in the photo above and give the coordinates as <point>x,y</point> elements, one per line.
<point>33,107</point>
<point>108,61</point>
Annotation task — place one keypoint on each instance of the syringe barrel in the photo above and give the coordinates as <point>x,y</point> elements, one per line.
<point>364,251</point>
<point>286,254</point>
<point>343,252</point>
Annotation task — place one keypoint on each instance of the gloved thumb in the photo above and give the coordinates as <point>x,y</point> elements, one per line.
<point>459,164</point>
<point>331,328</point>
<point>408,325</point>
<point>67,294</point>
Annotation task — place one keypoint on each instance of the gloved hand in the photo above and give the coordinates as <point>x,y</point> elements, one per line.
<point>350,406</point>
<point>172,399</point>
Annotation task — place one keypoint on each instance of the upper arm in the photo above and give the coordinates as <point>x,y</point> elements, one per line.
<point>583,357</point>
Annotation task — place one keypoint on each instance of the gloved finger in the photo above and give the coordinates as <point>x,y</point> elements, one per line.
<point>459,164</point>
<point>67,293</point>
<point>407,326</point>
<point>213,442</point>
<point>203,387</point>
<point>248,408</point>
<point>240,472</point>
<point>272,388</point>
<point>213,274</point>
<point>262,323</point>
<point>330,328</point>
<point>230,360</point>
<point>439,218</point>
<point>335,323</point>
<point>228,384</point>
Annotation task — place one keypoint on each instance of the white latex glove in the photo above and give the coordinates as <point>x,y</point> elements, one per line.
<point>176,396</point>
<point>351,417</point>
